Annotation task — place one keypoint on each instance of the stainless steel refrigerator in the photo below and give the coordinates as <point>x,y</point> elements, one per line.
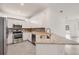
<point>3,36</point>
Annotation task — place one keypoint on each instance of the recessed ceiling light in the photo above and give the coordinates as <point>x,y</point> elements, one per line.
<point>61,11</point>
<point>22,4</point>
<point>26,19</point>
<point>6,16</point>
<point>33,22</point>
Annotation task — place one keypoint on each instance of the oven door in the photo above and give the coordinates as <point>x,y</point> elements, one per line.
<point>17,37</point>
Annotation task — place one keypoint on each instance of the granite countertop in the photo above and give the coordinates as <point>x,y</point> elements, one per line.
<point>40,33</point>
<point>55,40</point>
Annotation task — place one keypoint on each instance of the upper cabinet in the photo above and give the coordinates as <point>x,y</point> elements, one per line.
<point>10,22</point>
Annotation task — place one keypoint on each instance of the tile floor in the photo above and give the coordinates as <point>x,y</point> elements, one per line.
<point>57,49</point>
<point>24,48</point>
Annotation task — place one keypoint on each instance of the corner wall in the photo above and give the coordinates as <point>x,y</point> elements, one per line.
<point>49,18</point>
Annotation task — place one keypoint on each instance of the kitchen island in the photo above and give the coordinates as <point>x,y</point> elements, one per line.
<point>55,45</point>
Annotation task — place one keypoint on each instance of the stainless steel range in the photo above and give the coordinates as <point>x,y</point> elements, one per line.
<point>17,33</point>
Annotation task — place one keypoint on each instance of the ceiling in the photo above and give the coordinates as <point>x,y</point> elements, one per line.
<point>26,10</point>
<point>69,10</point>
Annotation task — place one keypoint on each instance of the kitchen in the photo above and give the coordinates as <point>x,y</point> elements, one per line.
<point>28,27</point>
<point>36,29</point>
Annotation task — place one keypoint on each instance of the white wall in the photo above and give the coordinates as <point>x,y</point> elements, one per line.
<point>41,19</point>
<point>57,20</point>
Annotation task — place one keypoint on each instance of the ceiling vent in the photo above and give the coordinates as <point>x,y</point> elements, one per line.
<point>61,11</point>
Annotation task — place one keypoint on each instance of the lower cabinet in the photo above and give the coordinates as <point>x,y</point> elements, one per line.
<point>10,38</point>
<point>27,36</point>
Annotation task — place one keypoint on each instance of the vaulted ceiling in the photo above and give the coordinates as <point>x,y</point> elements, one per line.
<point>26,10</point>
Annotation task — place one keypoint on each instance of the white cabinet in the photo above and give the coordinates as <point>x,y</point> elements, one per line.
<point>10,38</point>
<point>17,22</point>
<point>27,36</point>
